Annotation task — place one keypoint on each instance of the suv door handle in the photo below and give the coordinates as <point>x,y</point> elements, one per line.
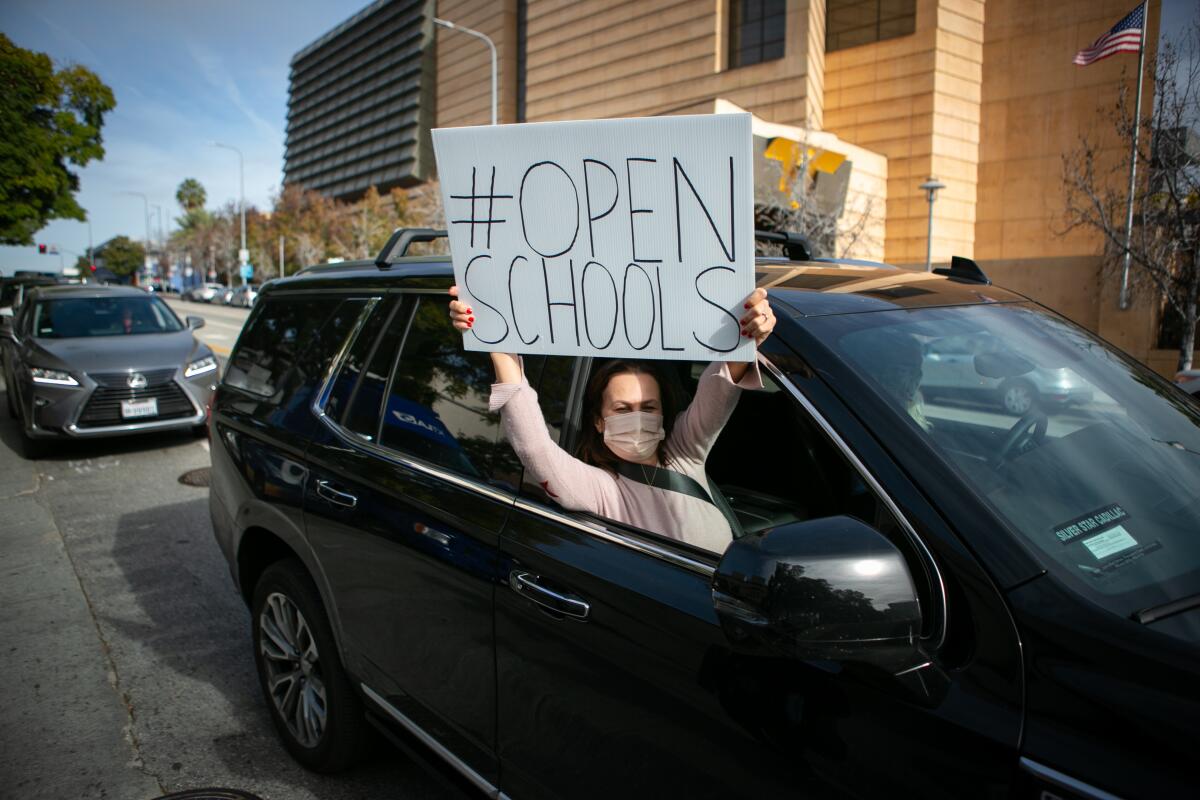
<point>324,489</point>
<point>526,585</point>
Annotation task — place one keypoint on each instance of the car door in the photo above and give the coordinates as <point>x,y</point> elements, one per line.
<point>403,506</point>
<point>615,677</point>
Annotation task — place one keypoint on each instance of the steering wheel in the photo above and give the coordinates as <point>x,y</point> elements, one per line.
<point>1029,429</point>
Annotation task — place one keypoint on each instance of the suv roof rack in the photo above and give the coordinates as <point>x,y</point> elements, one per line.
<point>964,269</point>
<point>401,238</point>
<point>794,244</point>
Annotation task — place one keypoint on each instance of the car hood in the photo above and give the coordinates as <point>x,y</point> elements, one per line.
<point>117,353</point>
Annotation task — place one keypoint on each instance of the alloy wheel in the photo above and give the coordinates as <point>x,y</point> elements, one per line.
<point>1018,398</point>
<point>293,667</point>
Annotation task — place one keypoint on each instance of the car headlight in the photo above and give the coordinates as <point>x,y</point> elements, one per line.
<point>200,366</point>
<point>52,377</point>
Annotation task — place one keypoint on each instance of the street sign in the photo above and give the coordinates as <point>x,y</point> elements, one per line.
<point>247,271</point>
<point>188,272</point>
<point>243,256</point>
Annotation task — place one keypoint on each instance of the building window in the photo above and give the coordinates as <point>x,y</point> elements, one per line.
<point>757,30</point>
<point>849,23</point>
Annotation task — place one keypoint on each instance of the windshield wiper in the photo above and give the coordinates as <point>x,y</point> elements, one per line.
<point>1175,445</point>
<point>1155,613</point>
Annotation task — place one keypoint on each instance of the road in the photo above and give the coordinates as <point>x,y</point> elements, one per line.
<point>126,649</point>
<point>222,324</point>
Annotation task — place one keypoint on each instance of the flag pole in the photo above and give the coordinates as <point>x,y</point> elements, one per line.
<point>1123,303</point>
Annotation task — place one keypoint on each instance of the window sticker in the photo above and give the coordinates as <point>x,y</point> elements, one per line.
<point>1112,541</point>
<point>1092,522</point>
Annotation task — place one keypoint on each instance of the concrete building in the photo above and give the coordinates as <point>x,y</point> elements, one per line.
<point>981,94</point>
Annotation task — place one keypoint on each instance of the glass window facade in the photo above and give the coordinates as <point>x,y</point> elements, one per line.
<point>849,23</point>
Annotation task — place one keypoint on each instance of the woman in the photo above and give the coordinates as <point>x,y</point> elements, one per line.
<point>640,461</point>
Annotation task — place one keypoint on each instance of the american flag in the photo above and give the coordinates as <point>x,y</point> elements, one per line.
<point>1125,37</point>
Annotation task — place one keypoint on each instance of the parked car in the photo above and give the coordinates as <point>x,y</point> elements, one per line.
<point>924,600</point>
<point>224,296</point>
<point>13,291</point>
<point>204,293</point>
<point>1189,381</point>
<point>91,361</point>
<point>244,296</point>
<point>949,371</point>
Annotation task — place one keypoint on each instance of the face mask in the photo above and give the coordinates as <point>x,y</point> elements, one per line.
<point>634,436</point>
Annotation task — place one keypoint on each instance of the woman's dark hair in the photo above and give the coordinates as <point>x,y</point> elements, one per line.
<point>592,449</point>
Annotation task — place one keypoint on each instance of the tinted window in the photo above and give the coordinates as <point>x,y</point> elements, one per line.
<point>346,384</point>
<point>552,377</point>
<point>365,403</point>
<point>1089,458</point>
<point>436,408</point>
<point>266,360</point>
<point>757,31</point>
<point>849,23</point>
<point>69,318</point>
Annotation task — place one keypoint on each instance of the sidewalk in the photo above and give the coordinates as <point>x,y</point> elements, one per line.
<point>64,729</point>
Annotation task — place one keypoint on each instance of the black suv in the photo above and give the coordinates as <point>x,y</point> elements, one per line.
<point>935,598</point>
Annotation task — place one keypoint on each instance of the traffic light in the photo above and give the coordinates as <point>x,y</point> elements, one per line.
<point>42,249</point>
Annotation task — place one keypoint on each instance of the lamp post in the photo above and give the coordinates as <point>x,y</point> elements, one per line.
<point>491,46</point>
<point>930,187</point>
<point>242,254</point>
<point>146,217</point>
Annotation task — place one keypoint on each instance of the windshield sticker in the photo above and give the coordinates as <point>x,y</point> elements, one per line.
<point>1092,522</point>
<point>1112,541</point>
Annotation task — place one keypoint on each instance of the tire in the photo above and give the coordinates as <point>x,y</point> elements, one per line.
<point>12,404</point>
<point>289,623</point>
<point>31,449</point>
<point>1018,397</point>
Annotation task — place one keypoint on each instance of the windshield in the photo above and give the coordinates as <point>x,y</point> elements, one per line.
<point>69,318</point>
<point>1091,459</point>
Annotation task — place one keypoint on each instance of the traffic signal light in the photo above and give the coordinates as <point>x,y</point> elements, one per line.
<point>42,249</point>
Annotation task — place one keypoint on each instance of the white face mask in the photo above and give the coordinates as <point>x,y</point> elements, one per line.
<point>634,436</point>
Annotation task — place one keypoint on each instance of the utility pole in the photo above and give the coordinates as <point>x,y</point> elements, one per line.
<point>146,217</point>
<point>243,254</point>
<point>281,270</point>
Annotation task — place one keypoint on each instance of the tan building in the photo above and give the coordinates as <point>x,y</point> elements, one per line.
<point>981,94</point>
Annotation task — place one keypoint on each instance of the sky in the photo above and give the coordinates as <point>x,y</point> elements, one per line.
<point>187,73</point>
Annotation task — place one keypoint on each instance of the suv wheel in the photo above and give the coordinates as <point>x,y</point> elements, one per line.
<point>314,708</point>
<point>1018,397</point>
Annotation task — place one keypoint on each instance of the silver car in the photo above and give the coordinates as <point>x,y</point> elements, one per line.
<point>89,361</point>
<point>949,369</point>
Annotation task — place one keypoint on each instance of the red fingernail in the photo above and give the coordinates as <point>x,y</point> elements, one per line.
<point>745,334</point>
<point>746,305</point>
<point>470,324</point>
<point>469,311</point>
<point>470,319</point>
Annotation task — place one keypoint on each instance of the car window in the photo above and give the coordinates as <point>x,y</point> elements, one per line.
<point>436,408</point>
<point>346,387</point>
<point>1090,459</point>
<point>266,356</point>
<point>77,317</point>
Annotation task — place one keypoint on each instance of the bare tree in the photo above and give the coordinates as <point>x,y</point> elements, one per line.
<point>1166,222</point>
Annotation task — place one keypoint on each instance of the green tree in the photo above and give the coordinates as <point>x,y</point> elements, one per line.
<point>123,256</point>
<point>51,119</point>
<point>191,195</point>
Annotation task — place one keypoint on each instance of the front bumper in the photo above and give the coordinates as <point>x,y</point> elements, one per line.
<point>87,411</point>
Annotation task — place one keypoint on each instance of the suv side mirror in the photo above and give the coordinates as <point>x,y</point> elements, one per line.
<point>832,589</point>
<point>195,322</point>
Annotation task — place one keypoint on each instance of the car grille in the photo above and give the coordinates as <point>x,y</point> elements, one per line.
<point>104,406</point>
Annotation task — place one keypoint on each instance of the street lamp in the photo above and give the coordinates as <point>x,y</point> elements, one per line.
<point>491,46</point>
<point>146,203</point>
<point>243,255</point>
<point>930,187</point>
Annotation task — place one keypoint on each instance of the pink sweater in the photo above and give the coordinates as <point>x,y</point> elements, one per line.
<point>577,486</point>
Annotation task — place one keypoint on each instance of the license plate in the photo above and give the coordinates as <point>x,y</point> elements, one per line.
<point>139,408</point>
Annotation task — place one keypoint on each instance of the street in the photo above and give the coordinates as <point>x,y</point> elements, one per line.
<point>126,646</point>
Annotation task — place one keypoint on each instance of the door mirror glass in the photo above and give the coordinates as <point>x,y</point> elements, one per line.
<point>195,322</point>
<point>830,589</point>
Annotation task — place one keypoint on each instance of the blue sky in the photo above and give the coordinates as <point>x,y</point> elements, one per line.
<point>186,73</point>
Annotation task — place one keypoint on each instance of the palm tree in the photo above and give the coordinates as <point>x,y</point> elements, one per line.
<point>191,196</point>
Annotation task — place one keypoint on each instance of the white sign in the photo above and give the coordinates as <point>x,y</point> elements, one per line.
<point>629,238</point>
<point>243,256</point>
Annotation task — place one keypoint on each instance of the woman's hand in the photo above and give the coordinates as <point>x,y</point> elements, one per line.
<point>759,319</point>
<point>461,314</point>
<point>507,365</point>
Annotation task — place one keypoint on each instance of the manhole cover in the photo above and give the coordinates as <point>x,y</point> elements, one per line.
<point>198,477</point>
<point>211,794</point>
